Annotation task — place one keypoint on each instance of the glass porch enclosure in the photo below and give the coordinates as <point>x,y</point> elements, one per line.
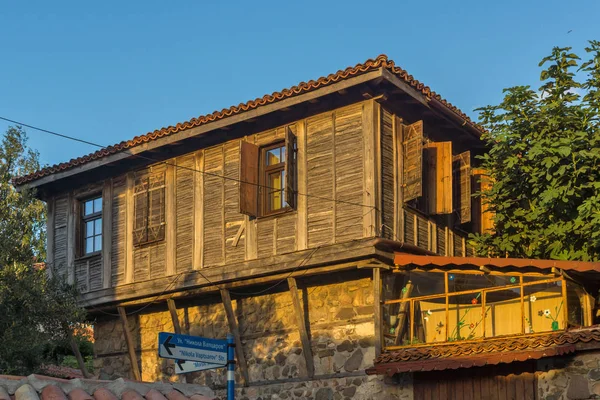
<point>434,307</point>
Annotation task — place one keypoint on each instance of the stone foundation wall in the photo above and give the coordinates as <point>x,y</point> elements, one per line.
<point>341,328</point>
<point>569,378</point>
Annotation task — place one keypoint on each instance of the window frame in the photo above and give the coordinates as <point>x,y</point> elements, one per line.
<point>84,219</point>
<point>264,172</point>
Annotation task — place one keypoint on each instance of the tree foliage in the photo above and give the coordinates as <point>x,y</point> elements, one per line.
<point>543,160</point>
<point>35,310</point>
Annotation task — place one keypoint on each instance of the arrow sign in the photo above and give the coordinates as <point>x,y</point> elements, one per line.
<point>192,348</point>
<point>183,367</point>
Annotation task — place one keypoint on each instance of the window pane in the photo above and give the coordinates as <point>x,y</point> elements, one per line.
<point>97,243</point>
<point>274,156</point>
<point>543,306</point>
<point>88,207</point>
<point>503,312</point>
<point>275,195</point>
<point>430,320</point>
<point>98,226</point>
<point>465,317</point>
<point>89,245</point>
<point>423,284</point>
<point>575,302</point>
<point>461,282</point>
<point>283,154</point>
<point>98,204</point>
<point>396,324</point>
<point>89,229</point>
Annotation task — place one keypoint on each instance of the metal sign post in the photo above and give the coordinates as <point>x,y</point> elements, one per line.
<point>230,367</point>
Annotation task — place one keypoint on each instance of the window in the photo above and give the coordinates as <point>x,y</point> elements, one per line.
<point>434,307</point>
<point>273,182</point>
<point>268,177</point>
<point>149,206</point>
<point>92,225</point>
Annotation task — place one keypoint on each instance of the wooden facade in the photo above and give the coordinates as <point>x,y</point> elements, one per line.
<point>350,186</point>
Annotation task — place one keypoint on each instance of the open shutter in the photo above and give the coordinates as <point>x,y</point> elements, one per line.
<point>412,186</point>
<point>249,179</point>
<point>290,168</point>
<point>156,206</point>
<point>461,181</point>
<point>438,161</point>
<point>483,220</point>
<point>140,211</point>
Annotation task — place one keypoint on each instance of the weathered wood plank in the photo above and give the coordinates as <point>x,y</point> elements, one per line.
<point>198,250</point>
<point>369,198</point>
<point>233,327</point>
<point>129,266</point>
<point>170,218</point>
<point>302,223</point>
<point>135,368</point>
<point>301,321</point>
<point>50,236</point>
<point>377,315</point>
<point>71,239</point>
<point>107,233</point>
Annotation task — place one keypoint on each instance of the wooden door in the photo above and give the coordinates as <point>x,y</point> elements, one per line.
<point>500,382</point>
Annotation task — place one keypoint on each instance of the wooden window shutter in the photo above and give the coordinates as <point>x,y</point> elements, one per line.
<point>412,186</point>
<point>156,206</point>
<point>249,179</point>
<point>461,181</point>
<point>290,168</point>
<point>140,210</point>
<point>483,219</point>
<point>438,165</point>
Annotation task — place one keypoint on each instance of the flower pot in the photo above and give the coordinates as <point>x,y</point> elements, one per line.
<point>554,325</point>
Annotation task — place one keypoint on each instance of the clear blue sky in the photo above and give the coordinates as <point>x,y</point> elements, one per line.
<point>106,71</point>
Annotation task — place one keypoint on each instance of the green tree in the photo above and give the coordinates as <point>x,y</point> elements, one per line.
<point>543,160</point>
<point>35,310</point>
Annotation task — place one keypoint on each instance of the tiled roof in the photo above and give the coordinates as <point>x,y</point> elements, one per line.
<point>38,387</point>
<point>487,352</point>
<point>381,61</point>
<point>403,259</point>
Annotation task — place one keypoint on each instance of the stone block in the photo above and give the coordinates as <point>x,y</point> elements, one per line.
<point>353,363</point>
<point>578,388</point>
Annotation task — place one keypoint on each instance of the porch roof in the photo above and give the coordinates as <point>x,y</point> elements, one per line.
<point>404,259</point>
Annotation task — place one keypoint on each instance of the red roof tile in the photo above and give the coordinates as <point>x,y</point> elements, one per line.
<point>381,61</point>
<point>43,387</point>
<point>487,352</point>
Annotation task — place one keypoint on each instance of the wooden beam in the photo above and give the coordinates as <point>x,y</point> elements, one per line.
<point>177,329</point>
<point>170,218</point>
<point>262,269</point>
<point>50,237</point>
<point>129,228</point>
<point>233,327</point>
<point>130,346</point>
<point>198,246</point>
<point>301,321</point>
<point>302,201</point>
<point>369,148</point>
<point>390,77</point>
<point>377,314</point>
<point>76,352</point>
<point>238,235</point>
<point>107,234</point>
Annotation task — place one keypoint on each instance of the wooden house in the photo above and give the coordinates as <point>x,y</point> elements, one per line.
<point>284,220</point>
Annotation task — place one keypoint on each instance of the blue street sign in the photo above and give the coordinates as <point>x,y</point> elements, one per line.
<point>192,348</point>
<point>183,367</point>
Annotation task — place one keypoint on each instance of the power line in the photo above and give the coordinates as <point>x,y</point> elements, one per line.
<point>181,166</point>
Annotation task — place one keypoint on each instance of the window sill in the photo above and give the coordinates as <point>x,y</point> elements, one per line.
<point>88,256</point>
<point>276,214</point>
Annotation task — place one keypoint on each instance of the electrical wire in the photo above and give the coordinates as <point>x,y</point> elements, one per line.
<point>53,133</point>
<point>180,166</point>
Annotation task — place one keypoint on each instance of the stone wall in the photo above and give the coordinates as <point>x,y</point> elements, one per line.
<point>341,327</point>
<point>570,377</point>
